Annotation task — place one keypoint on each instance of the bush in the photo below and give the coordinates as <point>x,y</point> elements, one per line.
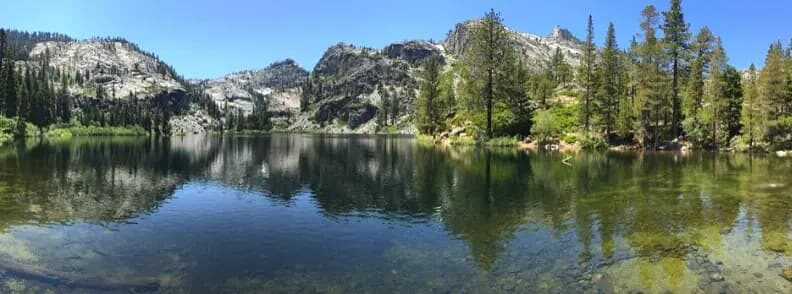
<point>545,125</point>
<point>503,141</point>
<point>76,129</point>
<point>570,138</point>
<point>59,133</point>
<point>591,142</point>
<point>8,129</point>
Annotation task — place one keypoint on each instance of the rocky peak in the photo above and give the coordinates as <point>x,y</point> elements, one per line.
<point>283,74</point>
<point>533,49</point>
<point>411,51</point>
<point>117,66</point>
<point>344,59</point>
<point>560,34</point>
<point>278,83</point>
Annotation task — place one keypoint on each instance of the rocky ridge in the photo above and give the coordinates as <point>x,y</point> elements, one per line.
<point>279,82</point>
<point>342,93</point>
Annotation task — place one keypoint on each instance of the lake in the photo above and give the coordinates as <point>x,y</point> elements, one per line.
<point>378,214</point>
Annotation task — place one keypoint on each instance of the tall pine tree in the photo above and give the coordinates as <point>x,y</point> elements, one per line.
<point>587,78</point>
<point>610,92</point>
<point>676,38</point>
<point>428,116</point>
<point>488,60</point>
<point>752,116</point>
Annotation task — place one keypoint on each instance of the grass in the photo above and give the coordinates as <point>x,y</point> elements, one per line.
<point>387,130</point>
<point>502,142</point>
<point>76,129</point>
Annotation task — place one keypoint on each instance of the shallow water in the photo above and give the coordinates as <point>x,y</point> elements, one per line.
<point>340,214</point>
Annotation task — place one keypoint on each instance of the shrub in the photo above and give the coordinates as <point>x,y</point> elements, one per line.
<point>503,141</point>
<point>591,142</point>
<point>545,125</point>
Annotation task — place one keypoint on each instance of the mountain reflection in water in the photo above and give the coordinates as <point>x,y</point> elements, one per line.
<point>305,213</point>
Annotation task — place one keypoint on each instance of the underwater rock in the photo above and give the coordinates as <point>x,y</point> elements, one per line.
<point>787,274</point>
<point>716,277</point>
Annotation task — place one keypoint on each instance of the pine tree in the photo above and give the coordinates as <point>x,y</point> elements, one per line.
<point>587,78</point>
<point>651,82</point>
<point>610,92</point>
<point>629,107</point>
<point>676,38</point>
<point>428,113</point>
<point>558,70</point>
<point>3,63</point>
<point>773,92</point>
<point>714,106</point>
<point>305,96</point>
<point>773,82</point>
<point>733,93</point>
<point>752,116</point>
<point>384,107</point>
<point>694,92</point>
<point>486,60</point>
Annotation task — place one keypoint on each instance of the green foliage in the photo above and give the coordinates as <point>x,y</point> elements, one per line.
<point>502,141</point>
<point>493,80</point>
<point>752,116</point>
<point>610,93</point>
<point>587,78</point>
<point>651,97</point>
<point>781,133</point>
<point>11,128</point>
<point>429,112</point>
<point>66,130</point>
<point>591,142</point>
<point>676,37</point>
<point>546,125</point>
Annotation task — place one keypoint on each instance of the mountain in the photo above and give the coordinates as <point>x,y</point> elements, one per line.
<point>116,66</point>
<point>534,49</point>
<point>341,94</point>
<point>112,76</point>
<point>345,89</point>
<point>278,85</point>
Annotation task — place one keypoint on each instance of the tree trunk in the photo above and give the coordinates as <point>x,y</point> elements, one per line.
<point>489,105</point>
<point>676,109</point>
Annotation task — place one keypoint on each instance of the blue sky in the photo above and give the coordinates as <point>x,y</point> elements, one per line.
<point>204,39</point>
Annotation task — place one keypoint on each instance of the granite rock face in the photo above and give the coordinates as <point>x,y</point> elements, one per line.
<point>118,67</point>
<point>533,49</point>
<point>347,85</point>
<point>279,85</point>
<point>343,92</point>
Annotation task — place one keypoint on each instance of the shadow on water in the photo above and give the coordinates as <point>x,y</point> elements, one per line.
<point>303,213</point>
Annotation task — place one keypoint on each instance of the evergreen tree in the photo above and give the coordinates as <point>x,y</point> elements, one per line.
<point>773,82</point>
<point>558,70</point>
<point>650,94</point>
<point>676,38</point>
<point>733,93</point>
<point>694,93</point>
<point>384,107</point>
<point>773,92</point>
<point>610,92</point>
<point>3,64</point>
<point>587,78</point>
<point>307,91</point>
<point>629,108</point>
<point>487,60</point>
<point>714,106</point>
<point>752,116</point>
<point>428,110</point>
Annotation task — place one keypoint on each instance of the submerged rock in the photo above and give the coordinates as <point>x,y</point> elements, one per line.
<point>716,277</point>
<point>787,274</point>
